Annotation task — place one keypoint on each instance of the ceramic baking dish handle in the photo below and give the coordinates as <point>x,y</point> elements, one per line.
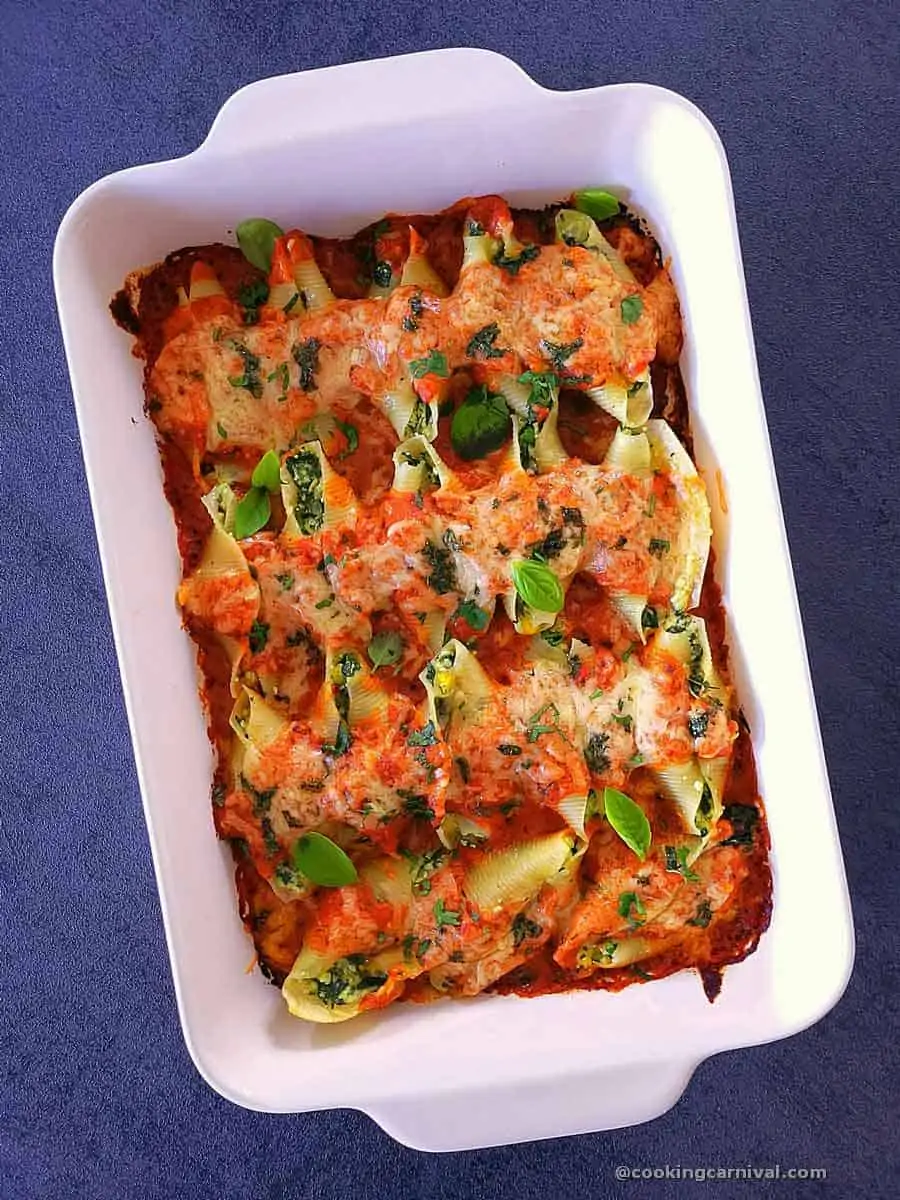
<point>519,1113</point>
<point>364,94</point>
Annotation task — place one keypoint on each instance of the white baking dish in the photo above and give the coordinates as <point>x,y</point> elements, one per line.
<point>329,151</point>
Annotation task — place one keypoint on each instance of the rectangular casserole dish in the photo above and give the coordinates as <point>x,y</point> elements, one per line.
<point>330,150</point>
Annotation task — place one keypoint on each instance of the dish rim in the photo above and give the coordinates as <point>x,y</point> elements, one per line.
<point>219,130</point>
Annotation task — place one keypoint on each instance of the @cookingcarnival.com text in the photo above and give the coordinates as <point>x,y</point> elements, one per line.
<point>708,1172</point>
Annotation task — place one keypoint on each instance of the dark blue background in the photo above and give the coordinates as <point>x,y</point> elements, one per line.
<point>99,1098</point>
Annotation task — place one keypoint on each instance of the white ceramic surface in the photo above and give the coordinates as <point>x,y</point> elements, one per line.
<point>329,151</point>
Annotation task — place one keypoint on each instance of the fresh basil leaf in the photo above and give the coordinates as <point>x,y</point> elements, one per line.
<point>597,203</point>
<point>252,512</point>
<point>474,616</point>
<point>480,424</point>
<point>256,238</point>
<point>385,649</point>
<point>434,363</point>
<point>628,820</point>
<point>631,309</point>
<point>322,861</point>
<point>267,472</point>
<point>538,586</point>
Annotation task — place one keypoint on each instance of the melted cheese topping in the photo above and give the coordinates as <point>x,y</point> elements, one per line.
<point>330,631</point>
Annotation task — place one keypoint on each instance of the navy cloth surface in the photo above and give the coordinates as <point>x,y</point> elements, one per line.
<point>98,1097</point>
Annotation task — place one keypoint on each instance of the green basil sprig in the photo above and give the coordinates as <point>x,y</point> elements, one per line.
<point>480,424</point>
<point>252,511</point>
<point>322,861</point>
<point>537,585</point>
<point>628,820</point>
<point>597,203</point>
<point>256,238</point>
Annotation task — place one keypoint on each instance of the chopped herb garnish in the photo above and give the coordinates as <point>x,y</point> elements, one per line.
<point>434,363</point>
<point>544,387</point>
<point>514,264</point>
<point>442,577</point>
<point>282,375</point>
<point>306,356</point>
<point>559,352</point>
<point>702,916</point>
<point>549,547</point>
<point>251,379</point>
<point>595,753</point>
<point>424,867</point>
<point>445,916</point>
<point>631,908</point>
<point>658,547</point>
<point>677,861</point>
<point>743,819</point>
<point>524,930</point>
<point>536,727</point>
<point>510,749</point>
<point>481,344</point>
<point>426,736</point>
<point>262,798</point>
<point>416,805</point>
<point>251,297</point>
<point>259,635</point>
<point>270,838</point>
